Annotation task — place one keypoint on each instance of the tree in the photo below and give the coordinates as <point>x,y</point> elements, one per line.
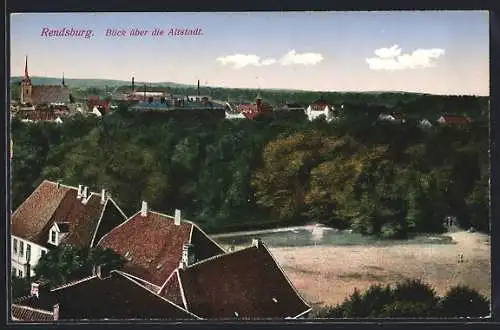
<point>67,262</point>
<point>462,301</point>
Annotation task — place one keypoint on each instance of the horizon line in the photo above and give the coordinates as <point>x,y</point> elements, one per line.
<point>259,88</point>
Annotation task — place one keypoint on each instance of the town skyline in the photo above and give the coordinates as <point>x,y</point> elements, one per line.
<point>423,52</point>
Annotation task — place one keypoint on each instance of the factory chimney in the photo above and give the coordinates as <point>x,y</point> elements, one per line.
<point>133,85</point>
<point>198,91</point>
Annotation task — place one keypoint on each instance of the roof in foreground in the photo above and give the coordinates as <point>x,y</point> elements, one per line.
<point>153,245</point>
<point>115,297</point>
<point>51,203</point>
<point>246,284</point>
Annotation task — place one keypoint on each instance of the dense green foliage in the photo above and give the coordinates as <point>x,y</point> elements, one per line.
<point>68,262</point>
<point>409,299</point>
<point>377,178</point>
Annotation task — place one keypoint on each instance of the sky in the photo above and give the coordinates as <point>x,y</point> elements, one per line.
<point>438,52</point>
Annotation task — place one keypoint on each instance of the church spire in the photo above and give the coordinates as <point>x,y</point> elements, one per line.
<point>26,68</point>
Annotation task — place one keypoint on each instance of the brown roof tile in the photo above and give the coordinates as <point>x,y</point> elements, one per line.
<point>50,203</point>
<point>455,120</point>
<point>45,94</point>
<point>247,282</point>
<point>153,245</point>
<point>36,211</point>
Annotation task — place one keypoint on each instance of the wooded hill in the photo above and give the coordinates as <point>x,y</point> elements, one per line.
<point>377,178</point>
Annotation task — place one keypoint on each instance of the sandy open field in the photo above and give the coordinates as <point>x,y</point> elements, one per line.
<point>327,275</point>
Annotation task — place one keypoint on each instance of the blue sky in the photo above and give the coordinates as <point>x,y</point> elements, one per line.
<point>434,52</point>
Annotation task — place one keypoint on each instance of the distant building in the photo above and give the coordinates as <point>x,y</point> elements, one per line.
<point>284,106</point>
<point>43,94</point>
<point>254,110</point>
<point>56,214</point>
<point>454,120</point>
<point>34,116</point>
<point>394,117</point>
<point>320,108</point>
<point>424,123</point>
<point>96,101</point>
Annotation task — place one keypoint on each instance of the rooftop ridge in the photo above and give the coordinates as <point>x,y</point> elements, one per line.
<point>155,294</point>
<point>218,256</point>
<point>66,285</point>
<point>72,187</point>
<point>194,225</point>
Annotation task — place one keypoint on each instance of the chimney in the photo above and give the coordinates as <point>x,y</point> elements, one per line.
<point>103,196</point>
<point>56,312</point>
<point>35,286</point>
<point>144,209</point>
<point>256,242</point>
<point>133,84</point>
<point>58,184</point>
<point>177,217</point>
<point>84,192</point>
<point>79,195</point>
<point>101,271</point>
<point>188,257</point>
<point>198,91</point>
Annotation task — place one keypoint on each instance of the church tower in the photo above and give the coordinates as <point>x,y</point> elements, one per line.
<point>26,87</point>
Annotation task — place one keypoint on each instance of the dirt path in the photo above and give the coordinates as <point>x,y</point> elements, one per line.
<point>327,275</point>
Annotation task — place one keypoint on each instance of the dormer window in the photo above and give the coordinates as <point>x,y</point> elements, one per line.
<point>57,232</point>
<point>53,236</point>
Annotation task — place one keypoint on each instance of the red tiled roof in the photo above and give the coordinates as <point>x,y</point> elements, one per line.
<point>25,313</point>
<point>45,94</point>
<point>247,282</point>
<point>37,115</point>
<point>100,103</point>
<point>455,120</point>
<point>252,111</point>
<point>153,244</point>
<point>49,203</point>
<point>319,105</point>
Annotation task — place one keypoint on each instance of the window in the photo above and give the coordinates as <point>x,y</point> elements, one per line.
<point>20,273</point>
<point>28,252</point>
<point>21,248</point>
<point>15,245</point>
<point>52,238</point>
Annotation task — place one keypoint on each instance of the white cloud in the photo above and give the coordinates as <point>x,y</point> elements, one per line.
<point>269,61</point>
<point>239,61</point>
<point>392,58</point>
<point>304,59</point>
<point>388,52</point>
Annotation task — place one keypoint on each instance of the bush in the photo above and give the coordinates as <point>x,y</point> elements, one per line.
<point>462,301</point>
<point>376,298</point>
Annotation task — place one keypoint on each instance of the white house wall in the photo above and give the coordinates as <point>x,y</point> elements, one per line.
<point>19,261</point>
